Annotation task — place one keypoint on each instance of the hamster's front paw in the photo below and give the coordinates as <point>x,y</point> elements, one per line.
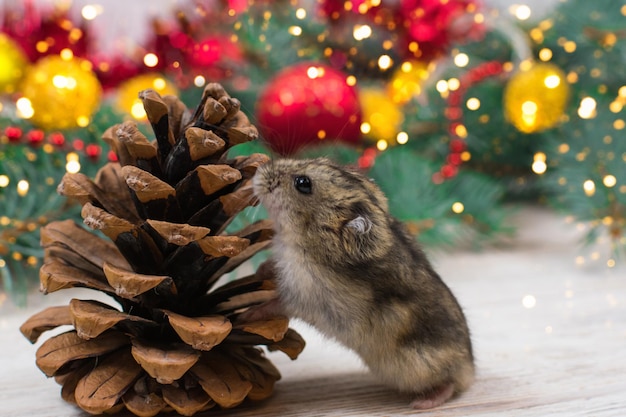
<point>434,398</point>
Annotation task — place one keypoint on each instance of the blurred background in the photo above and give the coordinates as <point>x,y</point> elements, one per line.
<point>461,110</point>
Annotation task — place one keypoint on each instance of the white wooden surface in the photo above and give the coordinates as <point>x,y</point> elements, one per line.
<point>566,356</point>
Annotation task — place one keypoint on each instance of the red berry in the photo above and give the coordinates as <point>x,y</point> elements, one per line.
<point>448,171</point>
<point>57,139</point>
<point>35,136</point>
<point>93,151</point>
<point>13,133</point>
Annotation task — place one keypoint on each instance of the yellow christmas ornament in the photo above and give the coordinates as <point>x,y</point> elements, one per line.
<point>128,100</point>
<point>535,97</point>
<point>382,117</point>
<point>408,80</point>
<point>13,63</point>
<point>60,92</point>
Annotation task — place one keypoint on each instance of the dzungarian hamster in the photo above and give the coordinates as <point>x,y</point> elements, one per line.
<point>344,265</point>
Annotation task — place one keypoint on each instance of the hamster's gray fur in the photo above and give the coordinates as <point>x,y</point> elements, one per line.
<point>347,267</point>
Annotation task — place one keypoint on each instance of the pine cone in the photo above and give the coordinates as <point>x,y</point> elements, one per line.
<point>175,342</point>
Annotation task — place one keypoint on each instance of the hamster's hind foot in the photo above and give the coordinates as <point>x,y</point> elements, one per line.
<point>434,398</point>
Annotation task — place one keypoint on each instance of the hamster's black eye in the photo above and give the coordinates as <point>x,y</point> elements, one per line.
<point>303,184</point>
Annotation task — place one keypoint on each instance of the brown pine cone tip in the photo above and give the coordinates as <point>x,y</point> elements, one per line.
<point>174,342</point>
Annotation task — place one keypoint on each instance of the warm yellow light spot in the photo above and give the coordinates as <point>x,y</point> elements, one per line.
<point>539,156</point>
<point>539,167</point>
<point>526,65</point>
<point>91,11</point>
<point>22,187</point>
<point>520,11</point>
<point>5,221</point>
<point>552,81</point>
<point>616,106</point>
<point>17,256</point>
<point>199,81</point>
<point>295,30</point>
<point>589,187</point>
<point>479,18</point>
<point>466,156</point>
<point>24,108</point>
<point>385,62</point>
<point>619,124</point>
<point>66,54</point>
<point>572,77</point>
<point>42,47</point>
<point>610,263</point>
<point>545,54</point>
<point>529,301</point>
<point>402,138</point>
<point>461,60</point>
<point>82,121</point>
<point>569,46</point>
<point>381,145</point>
<point>72,167</point>
<point>461,131</point>
<point>442,86</point>
<point>454,84</point>
<point>622,91</point>
<point>609,181</point>
<point>301,13</point>
<point>366,128</point>
<point>587,108</point>
<point>458,207</point>
<point>473,103</point>
<point>529,107</point>
<point>321,134</point>
<point>361,32</point>
<point>150,60</point>
<point>351,80</point>
<point>563,148</point>
<point>4,181</point>
<point>137,110</point>
<point>71,156</point>
<point>536,34</point>
<point>2,263</point>
<point>314,72</point>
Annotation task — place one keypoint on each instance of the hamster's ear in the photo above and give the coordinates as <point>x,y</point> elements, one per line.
<point>360,225</point>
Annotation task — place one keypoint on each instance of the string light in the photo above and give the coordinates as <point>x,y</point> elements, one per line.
<point>150,60</point>
<point>402,138</point>
<point>609,181</point>
<point>461,60</point>
<point>539,165</point>
<point>589,187</point>
<point>587,108</point>
<point>22,188</point>
<point>458,207</point>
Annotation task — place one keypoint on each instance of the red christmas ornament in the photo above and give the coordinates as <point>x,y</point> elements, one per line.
<point>432,25</point>
<point>13,133</point>
<point>45,30</point>
<point>306,103</point>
